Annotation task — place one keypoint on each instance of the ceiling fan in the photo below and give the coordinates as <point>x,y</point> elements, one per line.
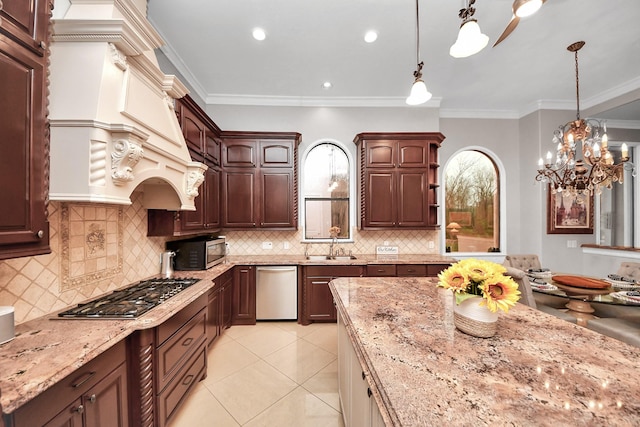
<point>521,9</point>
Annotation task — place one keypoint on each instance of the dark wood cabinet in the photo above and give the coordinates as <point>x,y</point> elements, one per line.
<point>94,395</point>
<point>259,180</point>
<point>219,306</point>
<point>24,128</point>
<point>244,295</point>
<point>202,136</point>
<point>317,301</point>
<point>398,180</point>
<point>405,270</point>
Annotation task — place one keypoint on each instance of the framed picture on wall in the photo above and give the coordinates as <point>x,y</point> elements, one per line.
<point>569,213</point>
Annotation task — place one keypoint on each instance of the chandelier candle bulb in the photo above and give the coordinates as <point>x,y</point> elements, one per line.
<point>625,151</point>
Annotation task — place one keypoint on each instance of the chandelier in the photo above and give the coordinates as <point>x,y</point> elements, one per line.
<point>597,167</point>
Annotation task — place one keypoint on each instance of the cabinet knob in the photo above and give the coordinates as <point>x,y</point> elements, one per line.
<point>43,44</point>
<point>92,398</point>
<point>40,234</point>
<point>368,392</point>
<point>79,409</point>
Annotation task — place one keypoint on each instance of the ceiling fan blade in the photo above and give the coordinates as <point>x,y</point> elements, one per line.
<point>510,27</point>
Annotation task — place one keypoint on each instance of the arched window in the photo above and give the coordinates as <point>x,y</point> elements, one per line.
<point>472,203</point>
<point>326,192</point>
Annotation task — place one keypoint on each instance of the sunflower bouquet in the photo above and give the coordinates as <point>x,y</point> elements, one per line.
<point>473,277</point>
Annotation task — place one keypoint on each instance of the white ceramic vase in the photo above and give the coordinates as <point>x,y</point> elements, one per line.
<point>473,319</point>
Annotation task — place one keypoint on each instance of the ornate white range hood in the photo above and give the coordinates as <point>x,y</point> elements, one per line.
<point>113,125</point>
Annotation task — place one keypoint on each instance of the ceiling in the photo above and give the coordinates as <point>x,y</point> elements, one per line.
<point>311,41</point>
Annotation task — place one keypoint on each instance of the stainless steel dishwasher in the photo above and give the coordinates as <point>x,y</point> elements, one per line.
<point>277,292</point>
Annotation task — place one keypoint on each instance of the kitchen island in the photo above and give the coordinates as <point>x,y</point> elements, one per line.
<point>537,369</point>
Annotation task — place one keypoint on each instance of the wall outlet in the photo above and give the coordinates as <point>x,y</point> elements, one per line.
<point>572,243</point>
<point>267,245</point>
<point>285,245</point>
<point>385,243</point>
<point>432,244</point>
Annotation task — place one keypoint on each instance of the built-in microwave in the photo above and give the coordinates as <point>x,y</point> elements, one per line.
<point>197,253</point>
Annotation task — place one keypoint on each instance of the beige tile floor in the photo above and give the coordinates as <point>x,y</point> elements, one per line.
<point>271,374</point>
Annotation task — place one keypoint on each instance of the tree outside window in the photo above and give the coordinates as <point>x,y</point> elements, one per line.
<point>472,203</point>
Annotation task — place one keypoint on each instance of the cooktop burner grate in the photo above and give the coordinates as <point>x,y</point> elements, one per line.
<point>131,302</point>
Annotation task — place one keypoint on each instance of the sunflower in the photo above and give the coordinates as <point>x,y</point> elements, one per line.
<point>454,278</point>
<point>500,292</point>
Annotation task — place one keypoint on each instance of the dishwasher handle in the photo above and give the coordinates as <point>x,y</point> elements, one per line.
<point>285,268</point>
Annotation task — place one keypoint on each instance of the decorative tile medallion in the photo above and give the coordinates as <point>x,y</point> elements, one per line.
<point>91,240</point>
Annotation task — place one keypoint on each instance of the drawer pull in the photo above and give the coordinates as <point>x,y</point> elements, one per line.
<point>79,409</point>
<point>83,379</point>
<point>368,392</point>
<point>362,374</point>
<point>187,380</point>
<point>380,270</point>
<point>187,342</point>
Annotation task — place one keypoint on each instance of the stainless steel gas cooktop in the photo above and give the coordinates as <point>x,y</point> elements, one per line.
<point>131,302</point>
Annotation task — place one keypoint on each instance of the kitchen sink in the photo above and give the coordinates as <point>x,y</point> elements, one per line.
<point>344,257</point>
<point>318,257</point>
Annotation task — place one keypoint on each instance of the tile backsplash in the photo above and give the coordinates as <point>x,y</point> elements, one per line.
<point>97,248</point>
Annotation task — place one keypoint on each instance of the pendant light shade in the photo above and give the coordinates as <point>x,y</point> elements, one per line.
<point>470,40</point>
<point>419,93</point>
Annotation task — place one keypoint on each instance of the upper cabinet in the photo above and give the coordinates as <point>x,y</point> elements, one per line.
<point>398,180</point>
<point>24,128</point>
<point>202,136</point>
<point>260,180</point>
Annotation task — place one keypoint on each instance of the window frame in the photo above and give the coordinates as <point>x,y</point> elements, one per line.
<point>502,189</point>
<point>352,192</point>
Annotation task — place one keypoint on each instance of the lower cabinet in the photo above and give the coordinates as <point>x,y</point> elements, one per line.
<point>317,301</point>
<point>94,395</point>
<point>166,363</point>
<point>244,295</point>
<point>359,408</point>
<point>219,306</point>
<point>405,270</point>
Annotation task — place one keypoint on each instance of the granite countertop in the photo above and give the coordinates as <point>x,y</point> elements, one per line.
<point>537,369</point>
<point>47,349</point>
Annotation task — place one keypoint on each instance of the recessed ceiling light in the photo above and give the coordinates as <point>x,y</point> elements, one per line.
<point>327,85</point>
<point>370,36</point>
<point>259,34</point>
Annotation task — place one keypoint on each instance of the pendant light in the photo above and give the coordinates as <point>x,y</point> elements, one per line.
<point>470,39</point>
<point>419,93</point>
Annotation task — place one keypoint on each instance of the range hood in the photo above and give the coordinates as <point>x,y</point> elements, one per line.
<point>113,123</point>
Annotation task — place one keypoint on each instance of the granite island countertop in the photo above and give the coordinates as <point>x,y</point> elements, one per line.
<point>537,369</point>
<point>47,349</point>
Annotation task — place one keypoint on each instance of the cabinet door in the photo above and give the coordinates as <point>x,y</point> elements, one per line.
<point>276,189</point>
<point>239,198</point>
<point>212,199</point>
<point>213,314</point>
<point>380,154</point>
<point>244,295</point>
<point>194,220</point>
<point>193,130</point>
<point>413,154</point>
<point>412,198</point>
<point>275,154</point>
<point>26,21</point>
<point>24,150</point>
<point>319,299</point>
<point>226,300</point>
<point>380,199</point>
<point>240,153</point>
<point>213,147</point>
<point>106,403</point>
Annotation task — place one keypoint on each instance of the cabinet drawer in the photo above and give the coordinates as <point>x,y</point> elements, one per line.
<point>381,270</point>
<point>334,270</point>
<point>408,270</point>
<point>434,269</point>
<point>176,392</point>
<point>171,326</point>
<point>172,354</point>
